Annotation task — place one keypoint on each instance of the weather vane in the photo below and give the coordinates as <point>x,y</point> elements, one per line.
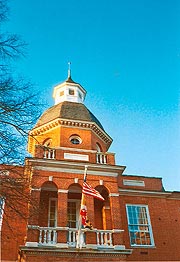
<point>69,69</point>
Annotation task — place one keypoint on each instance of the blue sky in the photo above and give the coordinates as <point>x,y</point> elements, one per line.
<point>126,54</point>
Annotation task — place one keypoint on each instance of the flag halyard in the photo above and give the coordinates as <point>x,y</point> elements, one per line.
<point>88,190</point>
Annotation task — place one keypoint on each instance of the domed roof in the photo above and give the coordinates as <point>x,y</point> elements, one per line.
<point>68,110</point>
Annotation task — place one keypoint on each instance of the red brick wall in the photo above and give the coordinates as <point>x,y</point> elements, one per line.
<point>164,210</point>
<point>151,183</point>
<point>164,215</point>
<point>15,189</point>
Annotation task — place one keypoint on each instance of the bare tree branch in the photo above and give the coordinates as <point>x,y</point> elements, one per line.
<point>19,110</point>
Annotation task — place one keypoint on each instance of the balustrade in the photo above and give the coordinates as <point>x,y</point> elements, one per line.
<point>49,153</point>
<point>101,158</point>
<point>49,236</point>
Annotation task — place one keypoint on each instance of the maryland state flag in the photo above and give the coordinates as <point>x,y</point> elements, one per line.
<point>83,213</point>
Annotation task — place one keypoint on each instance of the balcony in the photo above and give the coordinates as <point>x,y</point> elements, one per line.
<point>49,153</point>
<point>65,237</point>
<point>103,158</point>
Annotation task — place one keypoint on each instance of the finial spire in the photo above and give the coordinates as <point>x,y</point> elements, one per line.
<point>69,69</point>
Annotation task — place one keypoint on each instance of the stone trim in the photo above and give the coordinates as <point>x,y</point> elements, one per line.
<point>62,191</point>
<point>74,165</point>
<point>114,194</point>
<point>35,189</point>
<point>133,192</point>
<point>57,252</point>
<point>80,157</point>
<point>133,182</point>
<point>75,171</point>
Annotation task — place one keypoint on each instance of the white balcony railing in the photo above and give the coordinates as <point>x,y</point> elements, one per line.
<point>101,158</point>
<point>49,153</point>
<point>49,237</point>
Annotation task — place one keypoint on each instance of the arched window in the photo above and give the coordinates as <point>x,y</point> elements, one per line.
<point>98,147</point>
<point>47,142</point>
<point>75,140</point>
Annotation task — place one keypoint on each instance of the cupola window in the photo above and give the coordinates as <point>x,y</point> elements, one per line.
<point>80,96</point>
<point>71,92</point>
<point>75,140</point>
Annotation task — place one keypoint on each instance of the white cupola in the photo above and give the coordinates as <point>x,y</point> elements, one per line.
<point>69,91</point>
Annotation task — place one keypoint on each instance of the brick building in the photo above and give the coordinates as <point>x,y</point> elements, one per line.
<point>137,221</point>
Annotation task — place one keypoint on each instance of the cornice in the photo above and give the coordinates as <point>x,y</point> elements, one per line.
<point>75,165</point>
<point>75,171</point>
<point>133,192</point>
<point>57,252</point>
<point>73,124</point>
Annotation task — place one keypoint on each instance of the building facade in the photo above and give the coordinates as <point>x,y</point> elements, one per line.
<point>137,221</point>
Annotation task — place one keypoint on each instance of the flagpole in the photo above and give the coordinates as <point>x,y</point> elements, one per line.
<point>79,244</point>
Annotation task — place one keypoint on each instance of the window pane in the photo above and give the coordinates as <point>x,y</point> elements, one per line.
<point>140,231</point>
<point>71,91</point>
<point>72,215</point>
<point>52,213</point>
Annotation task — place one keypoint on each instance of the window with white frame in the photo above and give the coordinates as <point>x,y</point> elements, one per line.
<point>73,213</point>
<point>52,216</point>
<point>71,92</point>
<point>139,225</point>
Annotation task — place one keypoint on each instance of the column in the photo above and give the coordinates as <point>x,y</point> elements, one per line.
<point>116,218</point>
<point>62,214</point>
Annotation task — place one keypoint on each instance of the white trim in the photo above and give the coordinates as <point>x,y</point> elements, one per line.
<point>101,182</point>
<point>76,157</point>
<point>107,207</point>
<point>62,191</point>
<point>35,189</point>
<point>46,162</point>
<point>32,244</point>
<point>114,194</point>
<point>148,225</point>
<point>76,179</point>
<point>76,137</point>
<point>55,215</point>
<point>75,171</point>
<point>65,84</point>
<point>50,178</point>
<point>142,192</point>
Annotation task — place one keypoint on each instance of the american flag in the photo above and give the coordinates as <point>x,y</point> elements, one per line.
<point>88,190</point>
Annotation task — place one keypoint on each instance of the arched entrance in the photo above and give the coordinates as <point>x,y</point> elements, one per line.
<point>102,212</point>
<point>48,205</point>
